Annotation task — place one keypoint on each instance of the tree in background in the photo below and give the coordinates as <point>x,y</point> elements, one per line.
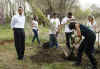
<point>95,10</point>
<point>38,12</point>
<point>41,8</point>
<point>59,6</point>
<point>1,16</point>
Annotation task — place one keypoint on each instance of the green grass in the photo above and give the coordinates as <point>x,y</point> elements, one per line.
<point>8,58</point>
<point>5,32</point>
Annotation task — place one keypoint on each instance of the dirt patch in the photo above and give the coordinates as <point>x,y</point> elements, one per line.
<point>86,63</point>
<point>48,56</point>
<point>4,42</point>
<point>56,55</point>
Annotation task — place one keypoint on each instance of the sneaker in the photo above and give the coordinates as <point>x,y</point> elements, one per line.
<point>71,58</point>
<point>94,68</point>
<point>20,58</point>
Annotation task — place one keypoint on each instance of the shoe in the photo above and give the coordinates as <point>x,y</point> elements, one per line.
<point>20,58</point>
<point>71,58</point>
<point>94,68</point>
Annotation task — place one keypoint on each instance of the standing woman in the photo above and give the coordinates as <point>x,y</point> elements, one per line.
<point>35,29</point>
<point>91,23</point>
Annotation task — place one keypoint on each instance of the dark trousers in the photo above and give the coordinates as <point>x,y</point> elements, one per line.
<point>87,45</point>
<point>68,39</point>
<point>35,36</point>
<point>53,40</point>
<point>19,37</point>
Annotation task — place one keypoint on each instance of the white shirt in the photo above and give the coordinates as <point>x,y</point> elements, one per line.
<point>18,21</point>
<point>64,21</point>
<point>55,22</point>
<point>48,16</point>
<point>34,24</point>
<point>91,26</point>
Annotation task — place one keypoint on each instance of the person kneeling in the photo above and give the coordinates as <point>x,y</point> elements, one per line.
<point>54,22</point>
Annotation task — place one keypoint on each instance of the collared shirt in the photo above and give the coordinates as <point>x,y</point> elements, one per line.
<point>18,21</point>
<point>64,21</point>
<point>54,22</point>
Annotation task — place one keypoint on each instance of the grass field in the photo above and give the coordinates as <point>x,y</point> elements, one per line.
<point>35,58</point>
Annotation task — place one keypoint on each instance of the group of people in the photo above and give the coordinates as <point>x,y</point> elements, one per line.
<point>88,32</point>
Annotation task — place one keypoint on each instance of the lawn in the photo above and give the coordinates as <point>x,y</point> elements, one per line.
<point>35,57</point>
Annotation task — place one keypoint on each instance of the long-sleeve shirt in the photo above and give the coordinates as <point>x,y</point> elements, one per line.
<point>18,21</point>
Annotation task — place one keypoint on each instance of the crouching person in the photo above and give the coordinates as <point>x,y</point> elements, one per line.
<point>54,23</point>
<point>87,44</point>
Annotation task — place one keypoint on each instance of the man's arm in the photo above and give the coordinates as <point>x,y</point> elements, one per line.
<point>77,26</point>
<point>13,22</point>
<point>58,26</point>
<point>63,22</point>
<point>95,27</point>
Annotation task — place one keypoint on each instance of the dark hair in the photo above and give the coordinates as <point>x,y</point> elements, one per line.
<point>35,18</point>
<point>54,14</point>
<point>72,25</point>
<point>20,7</point>
<point>69,14</point>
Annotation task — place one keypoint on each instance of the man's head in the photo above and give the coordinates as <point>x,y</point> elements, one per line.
<point>20,10</point>
<point>69,15</point>
<point>54,15</point>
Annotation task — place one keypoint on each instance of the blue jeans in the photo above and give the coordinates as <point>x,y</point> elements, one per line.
<point>53,41</point>
<point>35,36</point>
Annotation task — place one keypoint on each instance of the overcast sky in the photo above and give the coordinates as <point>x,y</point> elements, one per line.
<point>87,3</point>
